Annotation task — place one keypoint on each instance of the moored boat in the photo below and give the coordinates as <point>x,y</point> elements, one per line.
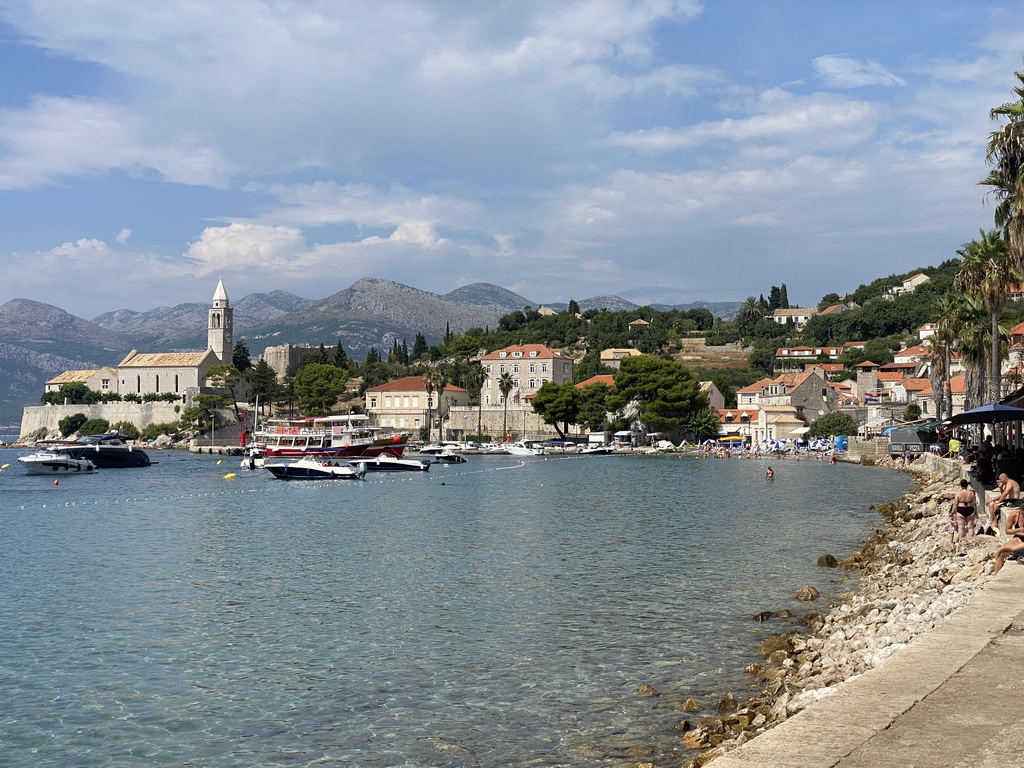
<point>347,437</point>
<point>314,468</point>
<point>386,463</point>
<point>449,457</point>
<point>108,451</point>
<point>523,448</point>
<point>55,463</point>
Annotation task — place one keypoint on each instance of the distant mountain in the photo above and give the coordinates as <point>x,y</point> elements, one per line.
<point>41,341</point>
<point>374,313</point>
<point>723,309</point>
<point>488,299</point>
<point>184,325</point>
<point>604,301</point>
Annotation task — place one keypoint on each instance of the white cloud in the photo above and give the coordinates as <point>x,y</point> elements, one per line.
<point>843,71</point>
<point>123,235</point>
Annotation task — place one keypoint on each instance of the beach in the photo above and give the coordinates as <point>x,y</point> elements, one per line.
<point>872,657</point>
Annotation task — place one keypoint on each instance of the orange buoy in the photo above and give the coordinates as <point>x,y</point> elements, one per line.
<point>56,482</point>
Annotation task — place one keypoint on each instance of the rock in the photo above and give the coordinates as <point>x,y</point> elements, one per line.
<point>697,738</point>
<point>691,705</point>
<point>827,561</point>
<point>762,616</point>
<point>684,726</point>
<point>807,594</point>
<point>645,690</point>
<point>776,643</point>
<point>728,704</point>
<point>753,669</point>
<point>784,614</point>
<point>778,657</point>
<point>640,752</point>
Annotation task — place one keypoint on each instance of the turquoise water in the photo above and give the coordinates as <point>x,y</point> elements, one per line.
<point>495,613</point>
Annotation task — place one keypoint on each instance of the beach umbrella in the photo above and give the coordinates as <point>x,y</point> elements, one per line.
<point>991,413</point>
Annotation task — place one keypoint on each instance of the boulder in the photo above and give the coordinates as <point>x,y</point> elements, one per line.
<point>776,643</point>
<point>691,705</point>
<point>645,690</point>
<point>807,594</point>
<point>827,561</point>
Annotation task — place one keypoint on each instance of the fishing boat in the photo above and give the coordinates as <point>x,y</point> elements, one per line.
<point>111,450</point>
<point>348,437</point>
<point>55,463</point>
<point>314,468</point>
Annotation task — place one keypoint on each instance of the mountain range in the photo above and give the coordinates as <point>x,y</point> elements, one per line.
<point>41,341</point>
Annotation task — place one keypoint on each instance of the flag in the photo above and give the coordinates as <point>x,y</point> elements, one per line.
<point>515,397</point>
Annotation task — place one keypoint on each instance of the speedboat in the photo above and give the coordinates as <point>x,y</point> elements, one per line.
<point>107,451</point>
<point>525,449</point>
<point>314,468</point>
<point>449,457</point>
<point>596,450</point>
<point>55,463</point>
<point>386,463</point>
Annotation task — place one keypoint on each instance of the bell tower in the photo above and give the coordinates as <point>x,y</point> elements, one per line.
<point>219,328</point>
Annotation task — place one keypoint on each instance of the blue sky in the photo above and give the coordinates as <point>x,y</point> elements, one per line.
<point>661,150</point>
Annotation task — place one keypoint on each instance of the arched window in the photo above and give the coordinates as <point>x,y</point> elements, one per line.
<point>138,384</point>
<point>157,383</point>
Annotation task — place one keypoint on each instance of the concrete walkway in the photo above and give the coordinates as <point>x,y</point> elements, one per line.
<point>953,697</point>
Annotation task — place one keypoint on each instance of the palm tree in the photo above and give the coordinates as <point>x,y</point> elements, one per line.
<point>1005,153</point>
<point>747,315</point>
<point>986,269</point>
<point>430,381</point>
<point>475,378</point>
<point>505,385</point>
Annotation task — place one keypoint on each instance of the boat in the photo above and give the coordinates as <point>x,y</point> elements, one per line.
<point>596,450</point>
<point>108,451</point>
<point>314,468</point>
<point>523,448</point>
<point>350,436</point>
<point>55,463</point>
<point>449,457</point>
<point>386,463</point>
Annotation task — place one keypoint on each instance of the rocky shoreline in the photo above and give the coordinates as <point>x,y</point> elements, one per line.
<point>911,579</point>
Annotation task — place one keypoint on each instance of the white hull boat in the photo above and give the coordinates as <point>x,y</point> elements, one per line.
<point>55,463</point>
<point>522,449</point>
<point>393,464</point>
<point>314,468</point>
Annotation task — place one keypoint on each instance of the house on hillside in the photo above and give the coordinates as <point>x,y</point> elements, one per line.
<point>798,316</point>
<point>529,365</point>
<point>403,404</point>
<point>613,357</point>
<point>908,286</point>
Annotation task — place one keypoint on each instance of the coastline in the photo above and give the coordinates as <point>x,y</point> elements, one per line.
<point>912,580</point>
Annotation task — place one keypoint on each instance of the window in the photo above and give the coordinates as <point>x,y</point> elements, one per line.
<point>543,367</point>
<point>157,383</point>
<point>487,399</point>
<point>503,354</point>
<point>532,384</point>
<point>105,384</point>
<point>373,402</point>
<point>501,369</point>
<point>176,389</point>
<point>515,383</point>
<point>517,354</point>
<point>488,369</point>
<point>515,369</point>
<point>533,354</point>
<point>533,367</point>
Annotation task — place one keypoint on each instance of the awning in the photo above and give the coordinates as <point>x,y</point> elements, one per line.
<point>800,431</point>
<point>623,433</point>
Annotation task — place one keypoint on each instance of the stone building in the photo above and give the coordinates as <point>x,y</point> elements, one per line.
<point>529,365</point>
<point>404,404</point>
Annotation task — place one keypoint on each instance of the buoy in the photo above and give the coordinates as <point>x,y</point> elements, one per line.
<point>229,475</point>
<point>56,482</point>
<point>5,466</point>
<point>219,461</point>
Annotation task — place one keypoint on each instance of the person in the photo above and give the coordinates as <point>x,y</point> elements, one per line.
<point>770,474</point>
<point>1015,544</point>
<point>964,513</point>
<point>1009,496</point>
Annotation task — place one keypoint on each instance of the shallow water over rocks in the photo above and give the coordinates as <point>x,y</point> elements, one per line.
<point>497,613</point>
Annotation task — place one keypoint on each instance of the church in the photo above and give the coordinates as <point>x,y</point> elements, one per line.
<point>181,373</point>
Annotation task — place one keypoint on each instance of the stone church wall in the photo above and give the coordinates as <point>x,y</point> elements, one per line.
<point>141,415</point>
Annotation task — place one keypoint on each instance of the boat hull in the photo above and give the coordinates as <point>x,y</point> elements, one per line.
<point>308,469</point>
<point>388,463</point>
<point>55,464</point>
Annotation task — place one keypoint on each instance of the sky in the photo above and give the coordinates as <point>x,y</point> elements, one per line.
<point>666,151</point>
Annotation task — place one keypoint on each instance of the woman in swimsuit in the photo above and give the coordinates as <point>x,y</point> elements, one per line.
<point>964,514</point>
<point>1014,544</point>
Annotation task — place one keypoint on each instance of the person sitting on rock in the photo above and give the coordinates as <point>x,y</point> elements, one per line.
<point>1009,496</point>
<point>1015,544</point>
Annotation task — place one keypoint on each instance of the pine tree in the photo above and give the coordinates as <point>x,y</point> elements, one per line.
<point>419,347</point>
<point>340,358</point>
<point>783,297</point>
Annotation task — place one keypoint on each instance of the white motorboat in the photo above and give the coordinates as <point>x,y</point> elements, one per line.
<point>596,450</point>
<point>55,463</point>
<point>449,457</point>
<point>385,463</point>
<point>314,468</point>
<point>523,448</point>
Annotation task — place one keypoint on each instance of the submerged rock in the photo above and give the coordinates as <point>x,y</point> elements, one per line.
<point>827,561</point>
<point>807,594</point>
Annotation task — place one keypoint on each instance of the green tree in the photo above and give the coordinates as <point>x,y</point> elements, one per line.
<point>316,356</point>
<point>558,404</point>
<point>666,392</point>
<point>263,383</point>
<point>74,392</point>
<point>419,348</point>
<point>240,357</point>
<point>127,429</point>
<point>747,316</point>
<point>701,425</point>
<point>227,377</point>
<point>95,427</point>
<point>340,356</point>
<point>986,270</point>
<point>1005,155</point>
<point>317,388</point>
<point>835,423</point>
<point>434,380</point>
<point>573,308</point>
<point>912,412</point>
<point>70,424</point>
<point>593,406</point>
<point>505,384</point>
<point>475,379</point>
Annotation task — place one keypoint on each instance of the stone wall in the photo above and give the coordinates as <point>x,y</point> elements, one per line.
<point>141,415</point>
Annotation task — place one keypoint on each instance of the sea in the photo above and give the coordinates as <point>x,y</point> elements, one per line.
<point>501,612</point>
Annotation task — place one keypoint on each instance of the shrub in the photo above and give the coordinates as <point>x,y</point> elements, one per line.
<point>70,424</point>
<point>155,430</point>
<point>95,427</point>
<point>126,428</point>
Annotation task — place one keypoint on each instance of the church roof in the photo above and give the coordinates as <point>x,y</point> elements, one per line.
<point>220,294</point>
<point>164,359</point>
<point>72,377</point>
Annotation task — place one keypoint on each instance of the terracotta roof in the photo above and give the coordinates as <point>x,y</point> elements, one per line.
<point>409,384</point>
<point>827,367</point>
<point>958,385</point>
<point>1017,330</point>
<point>737,415</point>
<point>866,364</point>
<point>756,387</point>
<point>915,385</point>
<point>164,359</point>
<point>542,351</point>
<point>73,377</point>
<point>890,376</point>
<point>833,308</point>
<point>603,378</point>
